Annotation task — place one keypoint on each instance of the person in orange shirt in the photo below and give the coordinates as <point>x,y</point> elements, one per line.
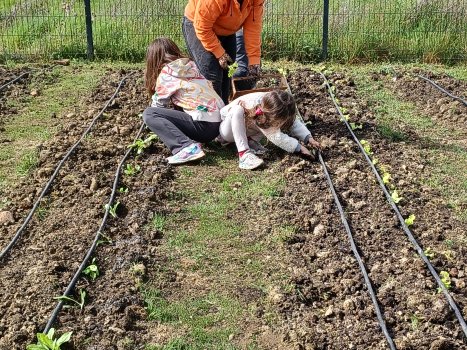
<point>209,28</point>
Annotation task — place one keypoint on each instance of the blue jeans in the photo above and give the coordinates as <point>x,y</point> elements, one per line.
<point>207,63</point>
<point>242,60</point>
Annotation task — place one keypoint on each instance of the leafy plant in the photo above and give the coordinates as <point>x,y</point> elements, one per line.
<point>123,190</point>
<point>92,270</point>
<point>112,209</point>
<point>232,68</point>
<point>82,295</point>
<point>140,145</point>
<point>414,321</point>
<point>429,253</point>
<point>375,161</point>
<point>366,147</point>
<point>47,341</point>
<point>395,197</point>
<point>386,178</point>
<point>409,221</point>
<point>346,117</point>
<point>131,169</point>
<point>356,126</point>
<point>446,279</point>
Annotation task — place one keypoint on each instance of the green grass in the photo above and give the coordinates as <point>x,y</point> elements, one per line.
<point>210,238</point>
<point>388,30</point>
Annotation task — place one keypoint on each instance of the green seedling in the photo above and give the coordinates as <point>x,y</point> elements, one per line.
<point>409,221</point>
<point>445,279</point>
<point>366,147</point>
<point>374,161</point>
<point>82,295</point>
<point>386,178</point>
<point>282,71</point>
<point>344,110</point>
<point>232,68</point>
<point>105,239</point>
<point>346,117</point>
<point>131,169</point>
<point>414,321</point>
<point>112,209</point>
<point>140,145</point>
<point>47,341</point>
<point>92,270</point>
<point>429,253</point>
<point>123,190</point>
<point>395,197</point>
<point>333,89</point>
<point>356,126</point>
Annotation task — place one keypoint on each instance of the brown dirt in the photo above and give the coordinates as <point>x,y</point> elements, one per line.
<point>39,267</point>
<point>434,103</point>
<point>329,307</point>
<point>404,286</point>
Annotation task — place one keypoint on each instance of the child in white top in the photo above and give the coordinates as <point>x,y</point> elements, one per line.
<point>263,114</point>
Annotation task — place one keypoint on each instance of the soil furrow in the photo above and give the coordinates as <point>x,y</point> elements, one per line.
<point>42,263</point>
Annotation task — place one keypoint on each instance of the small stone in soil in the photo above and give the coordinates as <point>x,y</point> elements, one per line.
<point>6,217</point>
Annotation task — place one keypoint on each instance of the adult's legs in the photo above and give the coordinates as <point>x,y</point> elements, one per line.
<point>177,129</point>
<point>207,63</point>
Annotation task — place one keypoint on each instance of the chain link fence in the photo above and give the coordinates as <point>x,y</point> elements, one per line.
<point>359,30</point>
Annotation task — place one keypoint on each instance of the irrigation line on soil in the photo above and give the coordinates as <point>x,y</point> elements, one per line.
<point>442,89</point>
<point>379,315</point>
<point>406,229</point>
<point>13,80</point>
<point>57,169</point>
<point>97,237</point>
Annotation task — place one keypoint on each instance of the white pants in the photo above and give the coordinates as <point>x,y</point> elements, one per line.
<point>232,128</point>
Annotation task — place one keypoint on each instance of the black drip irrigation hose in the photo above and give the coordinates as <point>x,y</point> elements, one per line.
<point>57,169</point>
<point>407,231</point>
<point>379,315</point>
<point>91,250</point>
<point>13,80</point>
<point>442,89</point>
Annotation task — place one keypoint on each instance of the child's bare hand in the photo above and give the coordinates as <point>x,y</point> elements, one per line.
<point>305,150</point>
<point>313,143</point>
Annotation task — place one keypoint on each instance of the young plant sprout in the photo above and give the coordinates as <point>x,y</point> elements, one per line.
<point>355,126</point>
<point>131,170</point>
<point>47,341</point>
<point>395,197</point>
<point>92,270</point>
<point>123,190</point>
<point>409,221</point>
<point>112,209</point>
<point>429,253</point>
<point>446,279</point>
<point>386,178</point>
<point>232,68</point>
<point>82,294</point>
<point>366,147</point>
<point>140,145</point>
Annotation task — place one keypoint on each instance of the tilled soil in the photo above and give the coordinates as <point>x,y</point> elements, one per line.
<point>433,102</point>
<point>40,266</point>
<point>329,308</point>
<point>404,287</point>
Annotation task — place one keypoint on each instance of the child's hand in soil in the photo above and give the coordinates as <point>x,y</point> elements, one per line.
<point>313,143</point>
<point>305,151</point>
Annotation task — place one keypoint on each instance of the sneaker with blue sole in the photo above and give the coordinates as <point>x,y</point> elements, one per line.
<point>187,154</point>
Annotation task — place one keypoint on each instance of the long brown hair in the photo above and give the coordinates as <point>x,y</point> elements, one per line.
<point>278,109</point>
<point>160,52</point>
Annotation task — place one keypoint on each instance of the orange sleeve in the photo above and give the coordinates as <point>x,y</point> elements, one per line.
<point>252,32</point>
<point>206,14</point>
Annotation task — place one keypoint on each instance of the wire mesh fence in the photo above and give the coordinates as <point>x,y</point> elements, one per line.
<point>428,30</point>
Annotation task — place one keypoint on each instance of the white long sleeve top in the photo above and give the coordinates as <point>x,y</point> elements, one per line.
<point>298,131</point>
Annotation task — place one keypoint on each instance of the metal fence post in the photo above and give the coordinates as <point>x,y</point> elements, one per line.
<point>87,11</point>
<point>324,53</point>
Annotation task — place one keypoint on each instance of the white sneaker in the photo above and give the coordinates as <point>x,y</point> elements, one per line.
<point>249,161</point>
<point>187,154</point>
